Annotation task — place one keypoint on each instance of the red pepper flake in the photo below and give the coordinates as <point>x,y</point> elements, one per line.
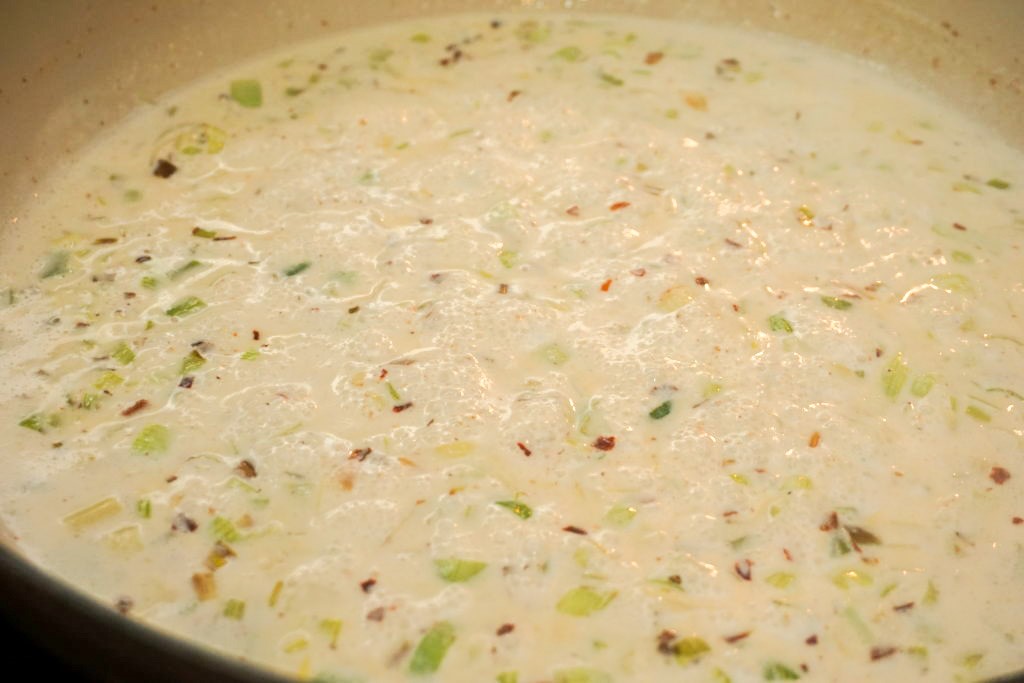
<point>376,614</point>
<point>172,478</point>
<point>426,221</point>
<point>904,607</point>
<point>812,640</point>
<point>183,522</point>
<point>666,642</point>
<point>573,210</point>
<point>1018,520</point>
<point>787,554</point>
<point>606,285</point>
<point>255,335</point>
<point>383,373</point>
<point>135,407</point>
<point>676,579</point>
<point>639,272</point>
<point>505,629</point>
<point>744,569</point>
<point>526,451</point>
<point>999,475</point>
<point>618,205</point>
<point>733,243</point>
<point>737,638</point>
<point>164,169</point>
<point>124,605</point>
<point>186,382</point>
<point>729,513</point>
<point>574,530</point>
<point>814,440</point>
<point>368,585</point>
<point>831,523</point>
<point>604,443</point>
<point>514,94</point>
<point>246,469</point>
<point>653,58</point>
<point>502,289</point>
<point>702,281</point>
<point>354,309</point>
<point>881,652</point>
<point>360,454</point>
<point>402,406</point>
<point>960,227</point>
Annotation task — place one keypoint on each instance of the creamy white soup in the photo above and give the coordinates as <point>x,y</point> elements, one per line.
<point>533,349</point>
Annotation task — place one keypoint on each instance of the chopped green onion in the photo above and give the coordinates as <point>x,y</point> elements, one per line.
<point>420,38</point>
<point>247,92</point>
<point>153,438</point>
<point>97,512</point>
<point>189,304</point>
<point>569,54</point>
<point>224,530</point>
<point>931,594</point>
<point>455,570</point>
<point>776,323</point>
<point>611,80</point>
<point>205,234</point>
<point>148,281</point>
<point>508,258</point>
<point>836,303</point>
<point>777,671</point>
<point>554,354</point>
<point>691,649</point>
<point>845,578</point>
<point>33,422</point>
<point>56,265</point>
<point>922,385</point>
<point>780,579</point>
<point>998,184</point>
<point>978,414</point>
<point>234,609</point>
<point>620,515</point>
<point>144,508</point>
<point>123,354</point>
<point>108,380</point>
<point>394,392</point>
<point>584,601</point>
<point>432,648</point>
<point>962,257</point>
<point>181,270</point>
<point>661,411</point>
<point>193,361</point>
<point>894,376</point>
<point>89,401</point>
<point>740,479</point>
<point>251,354</point>
<point>507,677</point>
<point>521,510</point>
<point>296,268</point>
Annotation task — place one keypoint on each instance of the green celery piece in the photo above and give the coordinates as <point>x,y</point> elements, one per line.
<point>454,570</point>
<point>507,677</point>
<point>33,422</point>
<point>978,414</point>
<point>776,323</point>
<point>192,362</point>
<point>247,92</point>
<point>56,265</point>
<point>998,183</point>
<point>186,306</point>
<point>234,609</point>
<point>428,655</point>
<point>108,380</point>
<point>962,257</point>
<point>570,53</point>
<point>154,438</point>
<point>297,268</point>
<point>922,385</point>
<point>251,354</point>
<point>777,671</point>
<point>581,675</point>
<point>780,579</point>
<point>181,270</point>
<point>521,510</point>
<point>144,508</point>
<point>691,649</point>
<point>123,354</point>
<point>895,376</point>
<point>204,234</point>
<point>224,530</point>
<point>611,79</point>
<point>148,281</point>
<point>584,601</point>
<point>836,303</point>
<point>661,411</point>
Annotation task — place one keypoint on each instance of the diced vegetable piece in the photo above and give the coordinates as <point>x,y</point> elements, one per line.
<point>275,593</point>
<point>674,298</point>
<point>203,233</point>
<point>420,38</point>
<point>200,138</point>
<point>189,304</point>
<point>581,675</point>
<point>247,92</point>
<point>931,594</point>
<point>33,422</point>
<point>183,269</point>
<point>780,579</point>
<point>620,515</point>
<point>739,479</point>
<point>234,609</point>
<point>862,536</point>
<point>554,354</point>
<point>148,282</point>
<point>56,265</point>
<point>332,627</point>
<point>998,183</point>
<point>224,529</point>
<point>123,354</point>
<point>584,601</point>
<point>836,303</point>
<point>432,648</point>
<point>154,438</point>
<point>978,414</point>
<point>455,449</point>
<point>852,576</point>
<point>297,268</point>
<point>777,323</point>
<point>962,257</point>
<point>454,570</point>
<point>144,508</point>
<point>108,380</point>
<point>125,540</point>
<point>777,671</point>
<point>97,512</point>
<point>690,649</point>
<point>507,677</point>
<point>205,586</point>
<point>521,510</point>
<point>508,258</point>
<point>570,53</point>
<point>661,411</point>
<point>251,354</point>
<point>922,385</point>
<point>611,79</point>
<point>192,362</point>
<point>894,376</point>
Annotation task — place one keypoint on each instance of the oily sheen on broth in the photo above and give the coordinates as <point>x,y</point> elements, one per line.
<point>572,349</point>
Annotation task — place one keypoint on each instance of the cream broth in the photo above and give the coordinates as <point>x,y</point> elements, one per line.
<point>564,350</point>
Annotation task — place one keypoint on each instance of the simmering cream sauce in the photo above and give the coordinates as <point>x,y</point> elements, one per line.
<point>533,349</point>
